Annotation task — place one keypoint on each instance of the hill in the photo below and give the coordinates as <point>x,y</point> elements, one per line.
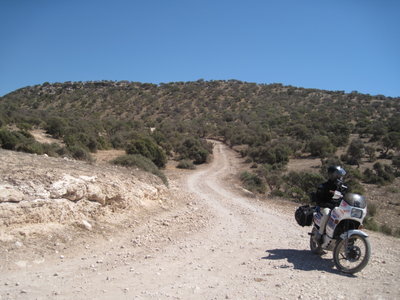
<point>269,124</point>
<point>238,112</point>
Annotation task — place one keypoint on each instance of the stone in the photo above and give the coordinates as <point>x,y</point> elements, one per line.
<point>9,194</point>
<point>86,225</point>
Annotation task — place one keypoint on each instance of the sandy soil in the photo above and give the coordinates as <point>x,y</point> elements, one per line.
<point>214,243</point>
<point>42,137</point>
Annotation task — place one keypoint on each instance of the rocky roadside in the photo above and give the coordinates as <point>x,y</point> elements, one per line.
<point>48,203</point>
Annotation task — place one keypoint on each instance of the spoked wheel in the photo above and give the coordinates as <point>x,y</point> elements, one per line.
<point>352,254</point>
<point>314,246</point>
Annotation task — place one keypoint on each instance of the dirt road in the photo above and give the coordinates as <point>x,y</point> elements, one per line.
<point>218,245</point>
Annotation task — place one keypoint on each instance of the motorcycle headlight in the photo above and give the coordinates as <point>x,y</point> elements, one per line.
<point>356,213</point>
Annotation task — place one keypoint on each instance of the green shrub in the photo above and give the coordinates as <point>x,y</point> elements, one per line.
<point>9,140</point>
<point>274,178</point>
<point>147,148</point>
<point>381,174</point>
<point>370,224</point>
<point>141,162</point>
<point>30,146</point>
<point>186,164</point>
<point>355,152</point>
<point>252,182</point>
<point>80,153</point>
<point>277,193</point>
<point>24,126</point>
<point>62,151</point>
<point>56,127</point>
<point>194,149</point>
<point>370,153</point>
<point>23,141</point>
<point>274,155</point>
<point>248,160</point>
<point>321,146</point>
<point>54,150</point>
<point>354,186</point>
<point>372,209</point>
<point>396,164</point>
<point>299,185</point>
<point>81,139</point>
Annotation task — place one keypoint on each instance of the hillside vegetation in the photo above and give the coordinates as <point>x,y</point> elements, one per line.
<point>268,123</point>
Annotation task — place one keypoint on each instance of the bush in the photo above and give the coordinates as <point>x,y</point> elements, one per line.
<point>321,146</point>
<point>252,182</point>
<point>24,126</point>
<point>80,153</point>
<point>352,180</point>
<point>56,127</point>
<point>23,141</point>
<point>372,209</point>
<point>54,150</point>
<point>381,174</point>
<point>355,152</point>
<point>274,155</point>
<point>20,141</point>
<point>186,164</point>
<point>141,162</point>
<point>371,224</point>
<point>194,149</point>
<point>9,140</point>
<point>273,178</point>
<point>370,153</point>
<point>31,147</point>
<point>299,185</point>
<point>396,164</point>
<point>149,149</point>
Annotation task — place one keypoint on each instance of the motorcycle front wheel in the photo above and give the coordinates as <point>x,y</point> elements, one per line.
<point>352,254</point>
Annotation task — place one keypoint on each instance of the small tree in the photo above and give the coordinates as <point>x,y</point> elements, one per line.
<point>56,127</point>
<point>391,141</point>
<point>355,152</point>
<point>370,152</point>
<point>194,149</point>
<point>321,146</point>
<point>299,185</point>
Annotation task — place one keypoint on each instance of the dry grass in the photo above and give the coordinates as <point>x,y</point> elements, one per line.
<point>102,156</point>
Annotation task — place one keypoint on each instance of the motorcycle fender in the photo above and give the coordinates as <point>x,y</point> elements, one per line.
<point>351,232</point>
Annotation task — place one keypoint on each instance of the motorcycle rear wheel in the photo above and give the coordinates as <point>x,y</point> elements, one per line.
<point>352,254</point>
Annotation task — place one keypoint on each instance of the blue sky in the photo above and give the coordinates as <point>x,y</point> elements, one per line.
<point>334,45</point>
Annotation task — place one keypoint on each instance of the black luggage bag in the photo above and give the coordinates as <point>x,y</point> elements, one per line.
<point>304,215</point>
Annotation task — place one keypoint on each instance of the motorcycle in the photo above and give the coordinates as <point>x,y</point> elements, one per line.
<point>343,234</point>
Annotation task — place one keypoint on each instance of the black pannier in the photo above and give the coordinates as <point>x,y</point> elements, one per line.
<point>304,215</point>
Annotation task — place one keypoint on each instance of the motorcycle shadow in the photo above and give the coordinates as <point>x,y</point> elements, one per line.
<point>303,260</point>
